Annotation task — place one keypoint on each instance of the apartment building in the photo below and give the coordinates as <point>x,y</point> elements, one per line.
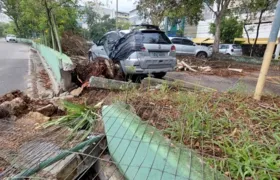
<point>4,18</point>
<point>209,17</point>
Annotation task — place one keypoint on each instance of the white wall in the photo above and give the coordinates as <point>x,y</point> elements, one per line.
<point>4,18</point>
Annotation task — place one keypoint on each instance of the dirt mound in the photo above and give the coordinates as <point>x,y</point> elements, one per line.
<point>73,44</point>
<point>12,95</point>
<point>16,103</point>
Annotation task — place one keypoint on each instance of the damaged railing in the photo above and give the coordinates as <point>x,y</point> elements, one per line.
<point>131,149</point>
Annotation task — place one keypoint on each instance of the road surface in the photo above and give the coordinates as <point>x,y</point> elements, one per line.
<point>13,66</point>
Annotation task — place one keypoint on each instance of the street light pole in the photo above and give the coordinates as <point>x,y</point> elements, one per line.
<point>117,9</point>
<point>268,53</point>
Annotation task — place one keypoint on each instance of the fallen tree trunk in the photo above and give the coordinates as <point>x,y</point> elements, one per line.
<point>188,66</point>
<point>103,83</point>
<point>237,70</point>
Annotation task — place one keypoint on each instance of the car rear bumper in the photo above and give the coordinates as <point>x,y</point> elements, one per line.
<point>134,66</point>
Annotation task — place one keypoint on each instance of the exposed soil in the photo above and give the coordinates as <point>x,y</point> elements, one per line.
<point>73,44</point>
<point>43,75</point>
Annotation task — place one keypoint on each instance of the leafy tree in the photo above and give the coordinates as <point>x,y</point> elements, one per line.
<point>230,29</point>
<point>220,11</point>
<point>156,10</point>
<point>122,25</point>
<point>42,17</point>
<point>260,7</point>
<point>98,25</point>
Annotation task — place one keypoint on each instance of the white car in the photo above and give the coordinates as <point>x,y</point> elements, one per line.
<point>11,38</point>
<point>230,49</point>
<point>185,46</point>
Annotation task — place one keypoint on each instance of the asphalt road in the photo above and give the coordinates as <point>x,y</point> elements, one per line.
<point>13,66</point>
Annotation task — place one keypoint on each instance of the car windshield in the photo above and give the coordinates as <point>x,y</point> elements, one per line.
<point>236,47</point>
<point>155,37</point>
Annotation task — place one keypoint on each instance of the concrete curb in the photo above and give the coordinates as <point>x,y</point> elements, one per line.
<point>30,85</point>
<point>55,84</point>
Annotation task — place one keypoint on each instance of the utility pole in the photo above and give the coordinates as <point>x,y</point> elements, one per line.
<point>117,9</point>
<point>268,53</point>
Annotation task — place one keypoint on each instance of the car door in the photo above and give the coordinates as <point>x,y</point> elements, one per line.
<point>98,48</point>
<point>111,40</point>
<point>222,49</point>
<point>178,44</point>
<point>188,47</point>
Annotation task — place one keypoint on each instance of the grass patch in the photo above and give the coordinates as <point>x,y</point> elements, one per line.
<point>234,133</point>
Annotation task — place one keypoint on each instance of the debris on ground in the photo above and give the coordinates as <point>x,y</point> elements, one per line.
<point>73,44</point>
<point>224,68</point>
<point>16,103</point>
<point>45,79</point>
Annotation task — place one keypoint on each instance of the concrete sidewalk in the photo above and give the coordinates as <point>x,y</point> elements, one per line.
<point>245,83</point>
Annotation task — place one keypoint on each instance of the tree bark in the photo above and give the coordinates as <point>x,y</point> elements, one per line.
<point>257,33</point>
<point>217,34</point>
<point>48,10</point>
<point>247,34</point>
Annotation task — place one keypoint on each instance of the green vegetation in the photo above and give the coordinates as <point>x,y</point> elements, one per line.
<point>235,134</point>
<point>78,117</point>
<point>230,29</point>
<point>6,28</point>
<point>48,18</point>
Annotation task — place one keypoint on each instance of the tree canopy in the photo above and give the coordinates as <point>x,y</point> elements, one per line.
<point>230,29</point>
<point>156,10</point>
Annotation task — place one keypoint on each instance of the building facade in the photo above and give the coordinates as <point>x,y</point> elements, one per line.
<point>209,17</point>
<point>4,18</point>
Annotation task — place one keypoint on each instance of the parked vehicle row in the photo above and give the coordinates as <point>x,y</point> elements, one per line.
<point>147,50</point>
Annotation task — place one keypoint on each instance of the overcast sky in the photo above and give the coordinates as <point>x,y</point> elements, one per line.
<point>124,5</point>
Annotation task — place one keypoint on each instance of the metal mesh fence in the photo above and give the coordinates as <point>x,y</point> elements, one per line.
<point>136,145</point>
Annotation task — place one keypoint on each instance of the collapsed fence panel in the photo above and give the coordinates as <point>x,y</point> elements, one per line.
<point>141,151</point>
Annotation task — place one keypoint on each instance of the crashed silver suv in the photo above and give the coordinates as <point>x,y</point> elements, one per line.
<point>138,51</point>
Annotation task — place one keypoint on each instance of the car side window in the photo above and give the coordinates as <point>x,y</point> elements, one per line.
<point>223,47</point>
<point>113,37</point>
<point>101,42</point>
<point>176,41</point>
<point>187,42</point>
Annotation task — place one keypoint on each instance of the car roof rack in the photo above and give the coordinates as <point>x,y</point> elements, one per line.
<point>148,26</point>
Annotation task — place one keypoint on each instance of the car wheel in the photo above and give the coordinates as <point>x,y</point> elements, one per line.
<point>201,55</point>
<point>159,75</point>
<point>227,54</point>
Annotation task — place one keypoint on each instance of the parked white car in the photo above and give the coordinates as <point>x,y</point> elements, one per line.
<point>185,46</point>
<point>230,49</point>
<point>11,38</point>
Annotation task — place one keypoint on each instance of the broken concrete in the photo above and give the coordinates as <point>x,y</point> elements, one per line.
<point>149,82</point>
<point>103,83</point>
<point>47,110</point>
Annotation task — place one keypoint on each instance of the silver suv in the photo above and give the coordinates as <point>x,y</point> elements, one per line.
<point>138,51</point>
<point>185,46</point>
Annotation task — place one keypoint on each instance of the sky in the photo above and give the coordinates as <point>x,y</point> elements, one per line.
<point>124,5</point>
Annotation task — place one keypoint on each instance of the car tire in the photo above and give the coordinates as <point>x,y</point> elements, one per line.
<point>201,55</point>
<point>159,75</point>
<point>227,54</point>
